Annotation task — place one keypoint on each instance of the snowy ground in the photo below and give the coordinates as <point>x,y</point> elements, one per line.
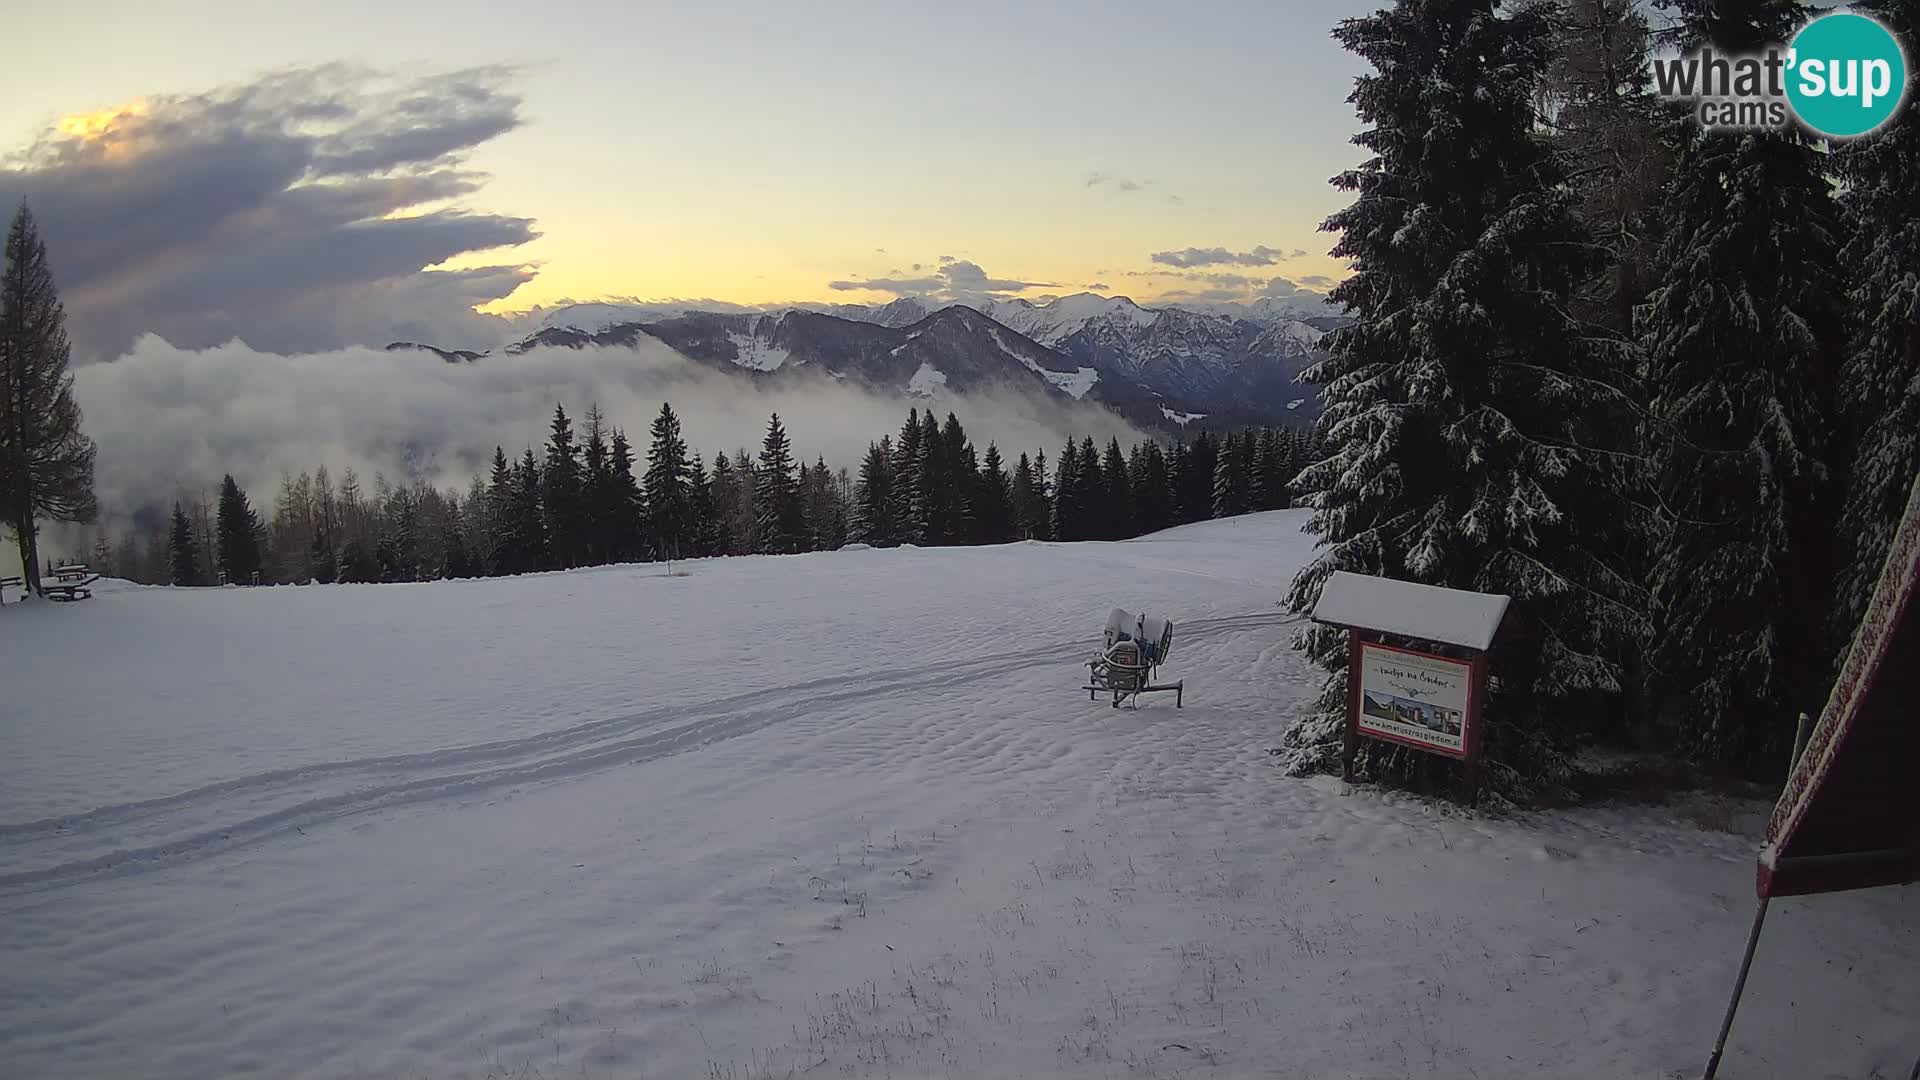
<point>838,814</point>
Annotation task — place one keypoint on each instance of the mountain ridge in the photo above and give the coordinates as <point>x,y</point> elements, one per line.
<point>1166,368</point>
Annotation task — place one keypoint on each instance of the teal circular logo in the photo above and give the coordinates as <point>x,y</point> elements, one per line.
<point>1846,75</point>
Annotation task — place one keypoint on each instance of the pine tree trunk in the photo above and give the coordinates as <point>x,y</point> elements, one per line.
<point>28,534</point>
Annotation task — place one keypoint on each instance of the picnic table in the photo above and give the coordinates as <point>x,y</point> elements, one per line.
<point>70,583</point>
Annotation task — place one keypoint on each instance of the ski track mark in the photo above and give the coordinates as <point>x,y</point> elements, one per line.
<point>573,751</point>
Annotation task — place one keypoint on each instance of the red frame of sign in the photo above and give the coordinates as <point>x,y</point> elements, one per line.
<point>1469,724</point>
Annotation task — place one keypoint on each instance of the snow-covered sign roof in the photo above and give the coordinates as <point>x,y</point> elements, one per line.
<point>1428,612</point>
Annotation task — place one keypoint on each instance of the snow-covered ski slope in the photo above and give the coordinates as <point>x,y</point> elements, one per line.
<point>837,814</point>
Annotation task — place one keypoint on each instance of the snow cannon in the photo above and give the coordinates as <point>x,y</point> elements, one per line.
<point>1131,652</point>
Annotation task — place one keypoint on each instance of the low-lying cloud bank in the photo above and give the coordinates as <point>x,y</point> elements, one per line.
<point>171,420</point>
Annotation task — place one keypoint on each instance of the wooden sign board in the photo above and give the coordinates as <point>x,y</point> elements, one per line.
<point>1414,698</point>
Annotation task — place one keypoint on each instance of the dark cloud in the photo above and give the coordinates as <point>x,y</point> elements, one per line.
<point>1219,256</point>
<point>1317,281</point>
<point>1224,281</point>
<point>1297,253</point>
<point>1122,185</point>
<point>1099,286</point>
<point>298,212</point>
<point>1204,295</point>
<point>1115,183</point>
<point>954,282</point>
<point>1239,289</point>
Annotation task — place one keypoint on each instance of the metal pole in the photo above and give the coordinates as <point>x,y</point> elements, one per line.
<point>1915,1074</point>
<point>1800,734</point>
<point>1739,985</point>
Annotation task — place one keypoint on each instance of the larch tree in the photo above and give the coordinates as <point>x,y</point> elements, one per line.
<point>1620,142</point>
<point>46,461</point>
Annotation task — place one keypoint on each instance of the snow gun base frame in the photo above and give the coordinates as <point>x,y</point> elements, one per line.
<point>1178,690</point>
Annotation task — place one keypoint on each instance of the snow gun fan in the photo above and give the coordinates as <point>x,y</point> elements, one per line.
<point>1130,655</point>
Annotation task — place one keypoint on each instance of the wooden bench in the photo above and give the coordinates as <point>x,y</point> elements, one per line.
<point>15,582</point>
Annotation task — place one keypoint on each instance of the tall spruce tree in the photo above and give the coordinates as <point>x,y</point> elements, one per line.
<point>1043,490</point>
<point>1231,476</point>
<point>531,516</point>
<point>1152,497</point>
<point>1025,501</point>
<point>1267,490</point>
<point>560,495</point>
<point>1068,517</point>
<point>745,514</point>
<point>779,517</point>
<point>1879,397</point>
<point>668,495</point>
<point>1743,332</point>
<point>1090,481</point>
<point>922,522</point>
<point>958,468</point>
<point>46,461</point>
<point>826,512</point>
<point>1465,409</point>
<point>183,554</point>
<point>1197,478</point>
<point>873,498</point>
<point>699,509</point>
<point>993,507</point>
<point>508,545</point>
<point>906,481</point>
<point>1117,499</point>
<point>238,534</point>
<point>964,511</point>
<point>724,494</point>
<point>626,502</point>
<point>597,495</point>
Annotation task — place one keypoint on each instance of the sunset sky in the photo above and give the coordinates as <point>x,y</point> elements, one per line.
<point>747,152</point>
